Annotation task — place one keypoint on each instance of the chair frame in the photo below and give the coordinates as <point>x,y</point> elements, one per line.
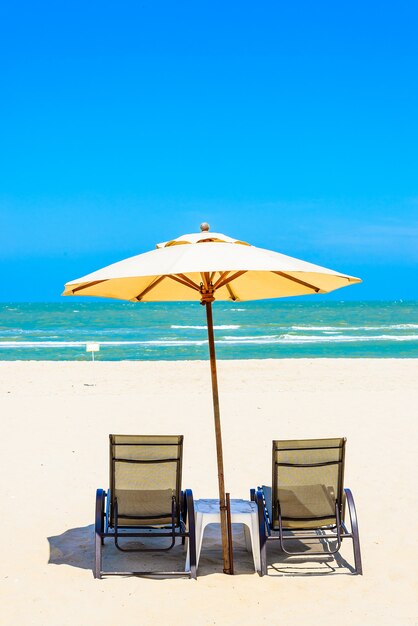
<point>337,531</point>
<point>106,526</point>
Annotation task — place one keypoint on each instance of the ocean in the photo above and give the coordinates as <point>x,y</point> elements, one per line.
<point>168,331</point>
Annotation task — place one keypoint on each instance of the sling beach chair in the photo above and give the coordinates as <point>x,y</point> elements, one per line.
<point>144,499</point>
<point>307,500</point>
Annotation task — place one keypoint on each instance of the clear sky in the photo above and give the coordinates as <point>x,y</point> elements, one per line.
<point>291,125</point>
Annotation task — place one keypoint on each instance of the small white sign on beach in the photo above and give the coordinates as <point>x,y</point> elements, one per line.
<point>92,346</point>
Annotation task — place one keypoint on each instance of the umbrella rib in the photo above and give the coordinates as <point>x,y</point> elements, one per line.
<point>229,279</point>
<point>297,280</point>
<point>184,280</point>
<point>220,279</point>
<point>205,279</point>
<point>151,286</point>
<point>95,282</point>
<point>188,280</point>
<point>231,293</point>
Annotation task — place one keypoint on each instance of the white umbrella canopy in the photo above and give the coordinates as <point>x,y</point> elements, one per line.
<point>205,267</point>
<point>231,269</point>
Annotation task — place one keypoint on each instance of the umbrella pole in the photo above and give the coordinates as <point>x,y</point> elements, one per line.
<point>226,539</point>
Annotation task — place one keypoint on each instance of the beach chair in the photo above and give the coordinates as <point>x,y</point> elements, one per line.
<point>307,500</point>
<point>144,499</point>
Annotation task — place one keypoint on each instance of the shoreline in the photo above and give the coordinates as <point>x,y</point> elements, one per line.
<point>218,360</point>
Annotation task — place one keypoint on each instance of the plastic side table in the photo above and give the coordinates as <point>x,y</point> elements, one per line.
<point>242,512</point>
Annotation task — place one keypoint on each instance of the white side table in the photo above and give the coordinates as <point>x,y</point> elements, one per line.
<point>242,512</point>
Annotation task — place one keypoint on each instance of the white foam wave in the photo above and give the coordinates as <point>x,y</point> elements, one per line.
<point>315,328</point>
<point>227,340</point>
<point>294,339</point>
<point>402,326</point>
<point>240,338</point>
<point>346,338</point>
<point>221,327</point>
<point>78,344</point>
<point>342,328</point>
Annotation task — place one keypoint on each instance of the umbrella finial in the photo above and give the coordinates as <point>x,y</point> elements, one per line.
<point>204,226</point>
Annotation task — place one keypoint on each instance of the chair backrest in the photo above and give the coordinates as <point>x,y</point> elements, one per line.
<point>307,482</point>
<point>145,475</point>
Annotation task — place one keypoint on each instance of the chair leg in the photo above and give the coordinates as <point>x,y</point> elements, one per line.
<point>192,532</point>
<point>354,531</point>
<point>183,513</point>
<point>98,557</point>
<point>262,533</point>
<point>247,537</point>
<point>98,530</point>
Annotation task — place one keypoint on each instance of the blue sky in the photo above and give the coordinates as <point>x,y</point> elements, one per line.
<point>289,125</point>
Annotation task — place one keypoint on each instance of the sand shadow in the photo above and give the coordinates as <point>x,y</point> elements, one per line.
<point>308,564</point>
<point>75,547</point>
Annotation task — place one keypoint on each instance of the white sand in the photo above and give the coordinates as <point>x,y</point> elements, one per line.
<point>54,454</point>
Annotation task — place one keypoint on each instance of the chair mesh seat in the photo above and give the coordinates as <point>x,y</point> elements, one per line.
<point>307,482</point>
<point>145,473</point>
<point>144,507</point>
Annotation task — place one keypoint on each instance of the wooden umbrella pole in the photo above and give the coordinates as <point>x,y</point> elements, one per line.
<point>222,500</point>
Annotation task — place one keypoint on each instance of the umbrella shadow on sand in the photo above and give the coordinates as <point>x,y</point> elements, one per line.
<point>75,547</point>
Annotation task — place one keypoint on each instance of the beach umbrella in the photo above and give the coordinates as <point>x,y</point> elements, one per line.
<point>205,267</point>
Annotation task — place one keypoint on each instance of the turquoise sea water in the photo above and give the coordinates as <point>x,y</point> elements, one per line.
<point>168,331</point>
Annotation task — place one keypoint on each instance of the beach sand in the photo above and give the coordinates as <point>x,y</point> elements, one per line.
<point>56,417</point>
